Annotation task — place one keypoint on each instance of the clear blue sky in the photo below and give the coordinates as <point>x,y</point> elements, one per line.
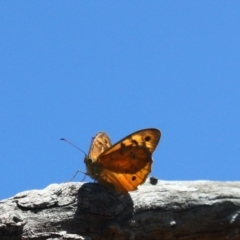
<point>73,68</point>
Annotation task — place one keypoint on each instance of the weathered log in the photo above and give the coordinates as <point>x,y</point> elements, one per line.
<point>168,210</point>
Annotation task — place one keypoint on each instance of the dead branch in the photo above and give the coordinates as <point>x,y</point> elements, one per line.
<point>168,210</point>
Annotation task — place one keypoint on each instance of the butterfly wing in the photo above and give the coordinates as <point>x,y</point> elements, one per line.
<point>132,153</point>
<point>126,164</point>
<point>124,183</point>
<point>99,144</point>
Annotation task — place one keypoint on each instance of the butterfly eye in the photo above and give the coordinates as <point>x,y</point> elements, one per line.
<point>133,178</point>
<point>90,161</point>
<point>87,160</point>
<point>147,138</point>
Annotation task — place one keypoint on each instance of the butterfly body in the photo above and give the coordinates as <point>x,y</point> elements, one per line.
<point>124,165</point>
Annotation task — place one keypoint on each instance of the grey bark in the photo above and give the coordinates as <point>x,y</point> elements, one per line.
<point>168,210</point>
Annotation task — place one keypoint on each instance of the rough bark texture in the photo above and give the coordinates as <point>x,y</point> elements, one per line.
<point>168,210</point>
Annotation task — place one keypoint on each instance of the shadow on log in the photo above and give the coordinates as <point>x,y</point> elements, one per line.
<point>194,210</point>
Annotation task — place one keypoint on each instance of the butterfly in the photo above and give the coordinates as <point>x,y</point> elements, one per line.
<point>124,165</point>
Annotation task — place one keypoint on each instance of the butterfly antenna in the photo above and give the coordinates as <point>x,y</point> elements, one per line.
<point>64,139</point>
<point>78,171</point>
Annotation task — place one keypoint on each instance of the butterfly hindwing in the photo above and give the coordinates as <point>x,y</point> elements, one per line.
<point>125,182</point>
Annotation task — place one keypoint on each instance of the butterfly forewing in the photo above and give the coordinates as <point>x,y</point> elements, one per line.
<point>146,137</point>
<point>131,153</point>
<point>100,143</point>
<point>126,160</point>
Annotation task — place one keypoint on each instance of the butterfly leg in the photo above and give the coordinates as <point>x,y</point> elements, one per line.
<point>78,171</point>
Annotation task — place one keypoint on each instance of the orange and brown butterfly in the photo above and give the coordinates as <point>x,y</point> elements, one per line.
<point>124,165</point>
